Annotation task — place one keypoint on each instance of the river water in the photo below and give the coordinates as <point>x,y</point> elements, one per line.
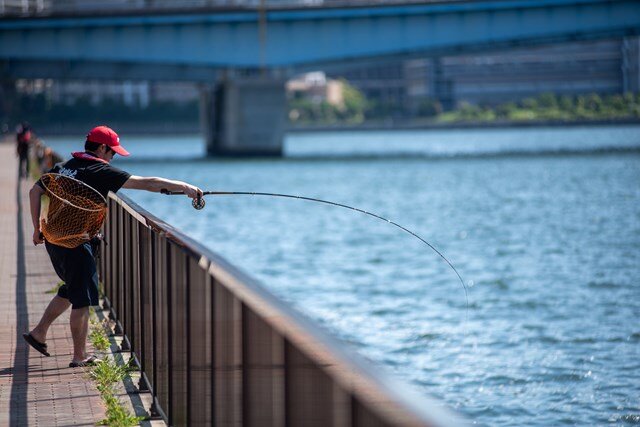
<point>543,224</point>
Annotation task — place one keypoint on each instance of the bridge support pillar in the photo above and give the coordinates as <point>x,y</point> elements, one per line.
<point>244,117</point>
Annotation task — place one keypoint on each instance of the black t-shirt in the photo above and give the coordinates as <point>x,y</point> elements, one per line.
<point>99,175</point>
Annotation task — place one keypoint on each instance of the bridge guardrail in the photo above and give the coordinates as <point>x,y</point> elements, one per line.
<point>21,7</point>
<point>216,348</point>
<point>29,8</point>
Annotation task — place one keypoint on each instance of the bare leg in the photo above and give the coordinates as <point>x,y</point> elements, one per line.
<point>56,307</point>
<point>79,322</point>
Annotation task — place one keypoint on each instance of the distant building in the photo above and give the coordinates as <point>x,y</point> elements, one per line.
<point>130,93</point>
<point>138,94</point>
<point>603,67</point>
<point>177,92</point>
<point>317,88</point>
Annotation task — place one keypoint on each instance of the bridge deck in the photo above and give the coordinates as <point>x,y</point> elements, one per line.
<point>34,390</point>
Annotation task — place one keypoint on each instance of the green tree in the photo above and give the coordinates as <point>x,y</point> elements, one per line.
<point>530,103</point>
<point>547,100</point>
<point>616,104</point>
<point>594,102</point>
<point>429,107</point>
<point>469,111</point>
<point>505,111</point>
<point>566,104</point>
<point>355,103</point>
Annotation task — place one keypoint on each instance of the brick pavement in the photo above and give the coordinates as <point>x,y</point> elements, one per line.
<point>34,390</point>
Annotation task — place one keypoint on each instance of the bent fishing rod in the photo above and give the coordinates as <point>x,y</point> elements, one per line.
<point>199,203</point>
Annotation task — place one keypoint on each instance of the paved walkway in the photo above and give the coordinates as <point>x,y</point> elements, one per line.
<point>34,390</point>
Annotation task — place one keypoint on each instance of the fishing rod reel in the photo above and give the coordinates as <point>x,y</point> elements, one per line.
<point>197,203</point>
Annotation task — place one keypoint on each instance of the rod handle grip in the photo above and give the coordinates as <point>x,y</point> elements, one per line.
<point>170,193</point>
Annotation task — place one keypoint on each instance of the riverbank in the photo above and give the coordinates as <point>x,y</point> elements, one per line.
<point>186,129</point>
<point>433,125</point>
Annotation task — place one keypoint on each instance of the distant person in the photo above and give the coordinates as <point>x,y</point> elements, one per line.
<point>38,149</point>
<point>49,159</point>
<point>76,266</point>
<point>23,141</point>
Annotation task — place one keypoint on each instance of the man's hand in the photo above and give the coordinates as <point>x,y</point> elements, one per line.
<point>37,237</point>
<point>192,191</point>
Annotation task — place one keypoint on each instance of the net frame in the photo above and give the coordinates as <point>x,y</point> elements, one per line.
<point>86,220</point>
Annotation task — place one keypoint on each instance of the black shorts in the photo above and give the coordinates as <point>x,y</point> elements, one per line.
<point>77,268</point>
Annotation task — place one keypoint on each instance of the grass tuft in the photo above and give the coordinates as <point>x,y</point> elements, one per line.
<point>98,335</point>
<point>106,375</point>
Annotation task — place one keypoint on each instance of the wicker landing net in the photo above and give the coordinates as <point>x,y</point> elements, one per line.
<point>76,211</point>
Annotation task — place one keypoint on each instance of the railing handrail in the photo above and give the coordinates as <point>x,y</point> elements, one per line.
<point>347,368</point>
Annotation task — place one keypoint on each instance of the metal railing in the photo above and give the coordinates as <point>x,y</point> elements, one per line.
<point>216,348</point>
<point>32,8</point>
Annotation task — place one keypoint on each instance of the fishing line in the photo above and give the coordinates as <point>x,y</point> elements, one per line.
<point>199,203</point>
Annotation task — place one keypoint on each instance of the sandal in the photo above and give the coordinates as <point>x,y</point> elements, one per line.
<point>39,346</point>
<point>92,360</point>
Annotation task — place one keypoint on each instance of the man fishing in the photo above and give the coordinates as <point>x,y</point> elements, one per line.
<point>76,266</point>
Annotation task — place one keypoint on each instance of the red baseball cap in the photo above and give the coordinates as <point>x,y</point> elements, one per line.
<point>105,135</point>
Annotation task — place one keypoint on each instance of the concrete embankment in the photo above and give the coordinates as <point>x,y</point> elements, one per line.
<point>430,125</point>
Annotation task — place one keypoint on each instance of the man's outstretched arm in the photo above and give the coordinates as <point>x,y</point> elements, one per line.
<point>156,184</point>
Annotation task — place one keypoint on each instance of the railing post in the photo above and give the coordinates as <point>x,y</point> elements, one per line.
<point>116,252</point>
<point>149,324</point>
<point>178,333</point>
<point>127,283</point>
<point>200,332</point>
<point>263,372</point>
<point>310,393</point>
<point>144,259</point>
<point>227,358</point>
<point>161,335</point>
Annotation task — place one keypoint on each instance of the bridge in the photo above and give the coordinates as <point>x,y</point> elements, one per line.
<point>242,53</point>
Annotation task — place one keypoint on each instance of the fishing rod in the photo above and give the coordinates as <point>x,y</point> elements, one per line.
<point>199,203</point>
